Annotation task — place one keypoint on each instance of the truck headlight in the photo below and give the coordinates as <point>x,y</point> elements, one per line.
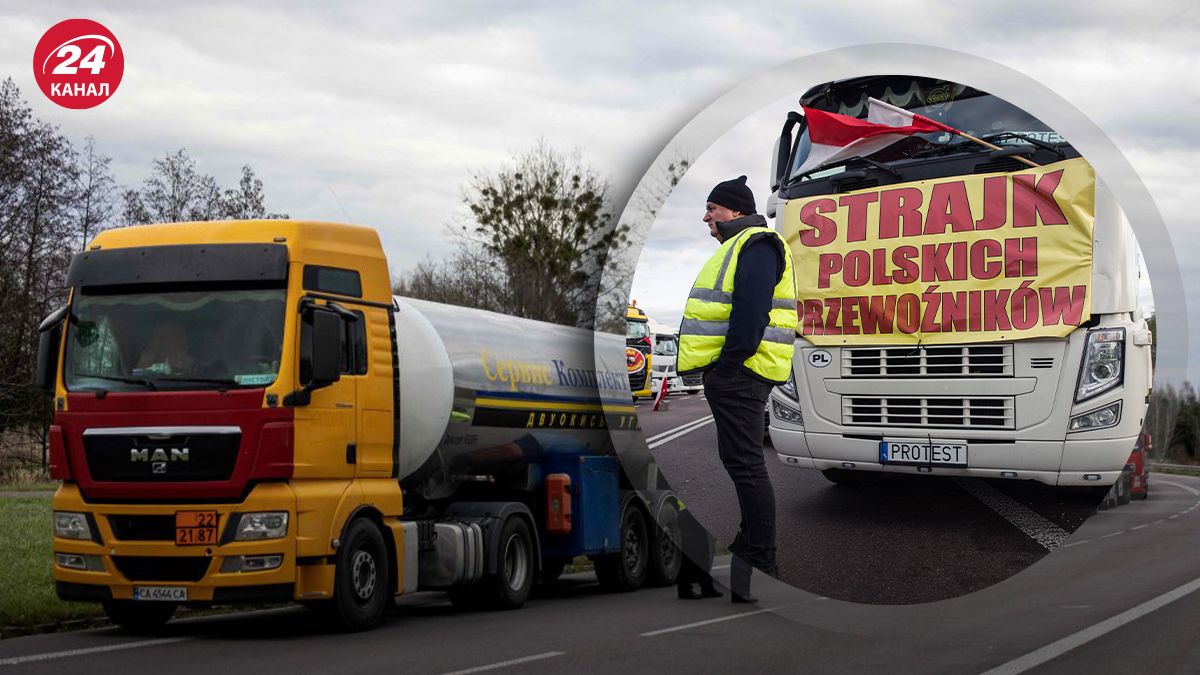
<point>789,387</point>
<point>1103,358</point>
<point>70,525</point>
<point>787,413</point>
<point>261,525</point>
<point>1108,416</point>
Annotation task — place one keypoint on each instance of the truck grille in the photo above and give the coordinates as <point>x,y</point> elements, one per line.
<point>164,454</point>
<point>693,379</point>
<point>950,361</point>
<point>145,568</point>
<point>977,412</point>
<point>143,528</point>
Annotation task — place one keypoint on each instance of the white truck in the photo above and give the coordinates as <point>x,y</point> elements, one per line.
<point>1061,410</point>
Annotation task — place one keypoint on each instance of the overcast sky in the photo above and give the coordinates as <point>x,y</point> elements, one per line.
<point>391,107</point>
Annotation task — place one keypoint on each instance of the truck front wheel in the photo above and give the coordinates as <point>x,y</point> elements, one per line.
<point>626,570</point>
<point>361,578</point>
<point>139,617</point>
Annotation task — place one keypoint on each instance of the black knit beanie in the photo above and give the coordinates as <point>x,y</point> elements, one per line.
<point>733,195</point>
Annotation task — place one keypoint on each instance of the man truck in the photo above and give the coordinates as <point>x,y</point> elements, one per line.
<point>243,413</point>
<point>885,380</point>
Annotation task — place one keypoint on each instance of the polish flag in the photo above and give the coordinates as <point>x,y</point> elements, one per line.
<point>836,137</point>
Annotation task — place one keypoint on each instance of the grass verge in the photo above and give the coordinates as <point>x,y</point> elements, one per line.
<point>28,599</point>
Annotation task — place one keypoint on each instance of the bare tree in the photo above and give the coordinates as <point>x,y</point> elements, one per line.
<point>94,191</point>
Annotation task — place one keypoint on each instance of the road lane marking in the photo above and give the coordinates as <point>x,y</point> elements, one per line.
<point>1060,647</point>
<point>505,664</point>
<point>690,429</point>
<point>1112,534</point>
<point>1076,543</point>
<point>16,660</point>
<point>668,432</point>
<point>706,622</point>
<point>1172,483</point>
<point>1033,524</point>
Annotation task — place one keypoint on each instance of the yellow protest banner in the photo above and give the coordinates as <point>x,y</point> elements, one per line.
<point>952,260</point>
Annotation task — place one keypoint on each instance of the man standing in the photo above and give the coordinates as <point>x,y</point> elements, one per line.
<point>739,328</point>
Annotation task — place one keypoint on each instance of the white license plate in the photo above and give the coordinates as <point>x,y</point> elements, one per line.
<point>160,593</point>
<point>922,452</point>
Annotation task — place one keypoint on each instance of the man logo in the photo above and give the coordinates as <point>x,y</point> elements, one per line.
<point>819,358</point>
<point>158,467</point>
<point>158,455</point>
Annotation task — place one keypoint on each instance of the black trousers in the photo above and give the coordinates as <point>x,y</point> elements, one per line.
<point>738,401</point>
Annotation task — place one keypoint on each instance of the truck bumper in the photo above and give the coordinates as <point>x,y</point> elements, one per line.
<point>1069,463</point>
<point>151,558</point>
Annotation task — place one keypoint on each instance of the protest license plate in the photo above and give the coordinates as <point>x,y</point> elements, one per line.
<point>160,593</point>
<point>922,452</point>
<point>195,528</point>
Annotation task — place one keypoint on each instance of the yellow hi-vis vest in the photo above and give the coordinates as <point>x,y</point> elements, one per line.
<point>706,314</point>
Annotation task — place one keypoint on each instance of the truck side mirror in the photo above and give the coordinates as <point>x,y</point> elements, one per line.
<point>321,334</point>
<point>45,375</point>
<point>781,153</point>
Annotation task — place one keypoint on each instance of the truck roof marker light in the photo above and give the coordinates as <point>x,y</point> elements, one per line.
<point>279,240</point>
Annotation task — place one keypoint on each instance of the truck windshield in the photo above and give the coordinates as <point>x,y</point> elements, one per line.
<point>965,108</point>
<point>636,330</point>
<point>215,339</point>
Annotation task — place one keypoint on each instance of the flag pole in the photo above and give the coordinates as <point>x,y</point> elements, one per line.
<point>985,144</point>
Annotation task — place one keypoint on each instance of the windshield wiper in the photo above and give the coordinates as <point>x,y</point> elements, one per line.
<point>228,381</point>
<point>116,378</point>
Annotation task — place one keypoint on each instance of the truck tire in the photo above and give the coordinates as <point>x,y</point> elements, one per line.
<point>1124,489</point>
<point>139,617</point>
<point>852,477</point>
<point>625,570</point>
<point>360,583</point>
<point>509,586</point>
<point>665,555</point>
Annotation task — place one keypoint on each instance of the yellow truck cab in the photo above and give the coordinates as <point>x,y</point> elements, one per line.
<point>638,351</point>
<point>231,425</point>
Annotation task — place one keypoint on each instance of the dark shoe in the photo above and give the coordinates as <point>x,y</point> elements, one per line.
<point>687,593</point>
<point>708,590</point>
<point>742,599</point>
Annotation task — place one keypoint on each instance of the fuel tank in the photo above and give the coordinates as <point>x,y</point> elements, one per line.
<point>485,396</point>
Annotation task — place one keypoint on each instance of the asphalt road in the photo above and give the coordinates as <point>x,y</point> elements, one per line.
<point>907,539</point>
<point>1121,594</point>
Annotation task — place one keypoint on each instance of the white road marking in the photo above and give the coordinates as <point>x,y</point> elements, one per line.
<point>1112,534</point>
<point>1138,527</point>
<point>688,430</point>
<point>668,432</point>
<point>1076,543</point>
<point>1038,528</point>
<point>1172,483</point>
<point>705,623</point>
<point>1060,647</point>
<point>15,660</point>
<point>505,664</point>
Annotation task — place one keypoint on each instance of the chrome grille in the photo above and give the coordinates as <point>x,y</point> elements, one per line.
<point>975,412</point>
<point>934,361</point>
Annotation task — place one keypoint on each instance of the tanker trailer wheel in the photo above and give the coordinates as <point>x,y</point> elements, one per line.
<point>139,617</point>
<point>626,570</point>
<point>666,555</point>
<point>509,586</point>
<point>360,584</point>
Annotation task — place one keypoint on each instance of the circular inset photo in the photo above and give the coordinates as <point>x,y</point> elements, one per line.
<point>902,355</point>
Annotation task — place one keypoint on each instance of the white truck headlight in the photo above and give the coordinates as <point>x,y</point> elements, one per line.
<point>261,525</point>
<point>1103,360</point>
<point>70,525</point>
<point>1108,416</point>
<point>789,387</point>
<point>787,413</point>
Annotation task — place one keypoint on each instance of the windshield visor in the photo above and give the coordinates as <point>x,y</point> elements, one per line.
<point>967,109</point>
<point>217,339</point>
